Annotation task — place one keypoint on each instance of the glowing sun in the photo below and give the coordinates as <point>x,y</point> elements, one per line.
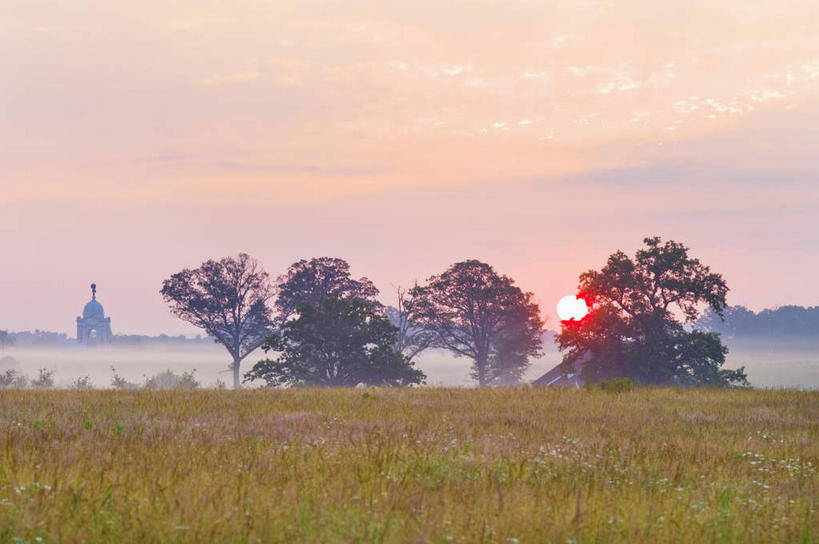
<point>571,307</point>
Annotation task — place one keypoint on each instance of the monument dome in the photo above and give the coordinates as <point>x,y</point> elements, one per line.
<point>93,310</point>
<point>93,327</point>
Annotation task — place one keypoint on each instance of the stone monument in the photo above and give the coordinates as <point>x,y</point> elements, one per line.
<point>93,327</point>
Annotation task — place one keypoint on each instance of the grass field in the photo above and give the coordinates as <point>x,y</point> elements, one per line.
<point>414,465</point>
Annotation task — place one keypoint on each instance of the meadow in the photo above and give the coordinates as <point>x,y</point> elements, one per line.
<point>409,465</point>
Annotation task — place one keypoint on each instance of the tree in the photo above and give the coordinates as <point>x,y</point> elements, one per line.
<point>226,298</point>
<point>476,313</point>
<point>6,340</point>
<point>411,339</point>
<point>336,342</point>
<point>641,321</point>
<point>308,281</point>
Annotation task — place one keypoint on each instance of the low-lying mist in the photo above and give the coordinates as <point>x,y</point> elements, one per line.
<point>768,362</point>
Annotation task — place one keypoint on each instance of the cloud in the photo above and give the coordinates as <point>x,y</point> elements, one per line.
<point>428,92</point>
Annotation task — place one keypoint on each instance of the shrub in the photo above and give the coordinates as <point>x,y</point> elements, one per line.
<point>83,382</point>
<point>118,382</point>
<point>11,379</point>
<point>168,380</point>
<point>45,380</point>
<point>616,385</point>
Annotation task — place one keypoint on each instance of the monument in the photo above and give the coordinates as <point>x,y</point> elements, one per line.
<point>93,327</point>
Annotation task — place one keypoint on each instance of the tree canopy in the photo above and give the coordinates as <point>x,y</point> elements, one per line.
<point>641,321</point>
<point>310,280</point>
<point>335,342</point>
<point>228,299</point>
<point>412,338</point>
<point>474,312</point>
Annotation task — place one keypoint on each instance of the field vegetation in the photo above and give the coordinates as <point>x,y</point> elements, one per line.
<point>409,465</point>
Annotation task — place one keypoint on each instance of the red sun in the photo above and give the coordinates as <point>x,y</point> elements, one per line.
<point>570,307</point>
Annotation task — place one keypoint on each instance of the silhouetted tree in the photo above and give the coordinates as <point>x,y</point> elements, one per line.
<point>476,313</point>
<point>6,340</point>
<point>518,339</point>
<point>412,338</point>
<point>633,329</point>
<point>226,298</point>
<point>336,342</point>
<point>308,281</point>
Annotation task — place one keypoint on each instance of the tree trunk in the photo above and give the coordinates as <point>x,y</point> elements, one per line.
<point>480,363</point>
<point>236,384</point>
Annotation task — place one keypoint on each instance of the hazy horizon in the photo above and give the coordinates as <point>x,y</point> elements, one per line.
<point>136,141</point>
<point>769,362</point>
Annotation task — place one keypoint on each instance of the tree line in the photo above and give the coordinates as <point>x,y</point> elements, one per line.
<point>785,321</point>
<point>320,326</point>
<point>323,327</point>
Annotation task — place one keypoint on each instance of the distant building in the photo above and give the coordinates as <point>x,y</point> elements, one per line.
<point>93,327</point>
<point>557,378</point>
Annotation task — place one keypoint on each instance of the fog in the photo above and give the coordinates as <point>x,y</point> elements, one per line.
<point>210,363</point>
<point>768,362</point>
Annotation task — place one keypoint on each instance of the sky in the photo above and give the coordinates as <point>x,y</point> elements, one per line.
<point>140,138</point>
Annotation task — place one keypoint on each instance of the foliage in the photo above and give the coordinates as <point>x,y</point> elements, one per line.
<point>339,341</point>
<point>493,465</point>
<point>120,383</point>
<point>476,313</point>
<point>226,298</point>
<point>82,383</point>
<point>169,380</point>
<point>44,380</point>
<point>39,338</point>
<point>6,339</point>
<point>412,339</point>
<point>615,385</point>
<point>308,281</point>
<point>11,379</point>
<point>633,330</point>
<point>785,321</point>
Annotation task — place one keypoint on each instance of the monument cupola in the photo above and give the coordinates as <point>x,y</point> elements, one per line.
<point>93,327</point>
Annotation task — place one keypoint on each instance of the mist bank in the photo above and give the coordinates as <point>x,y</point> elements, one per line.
<point>769,362</point>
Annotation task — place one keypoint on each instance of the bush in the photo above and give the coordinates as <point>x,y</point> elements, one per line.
<point>11,379</point>
<point>616,385</point>
<point>118,382</point>
<point>45,380</point>
<point>83,382</point>
<point>168,380</point>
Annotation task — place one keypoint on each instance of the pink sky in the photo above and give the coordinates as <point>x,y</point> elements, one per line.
<point>137,139</point>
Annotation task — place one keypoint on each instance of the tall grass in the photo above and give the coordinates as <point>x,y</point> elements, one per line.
<point>411,465</point>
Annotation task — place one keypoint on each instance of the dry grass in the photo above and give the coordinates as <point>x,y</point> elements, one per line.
<point>420,465</point>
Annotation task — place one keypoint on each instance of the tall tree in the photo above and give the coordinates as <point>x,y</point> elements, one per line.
<point>641,321</point>
<point>336,342</point>
<point>308,281</point>
<point>518,339</point>
<point>228,299</point>
<point>476,313</point>
<point>412,338</point>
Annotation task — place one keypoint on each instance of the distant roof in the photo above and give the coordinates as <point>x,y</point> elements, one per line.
<point>93,310</point>
<point>556,378</point>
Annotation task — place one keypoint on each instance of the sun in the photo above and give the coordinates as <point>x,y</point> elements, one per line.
<point>570,307</point>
